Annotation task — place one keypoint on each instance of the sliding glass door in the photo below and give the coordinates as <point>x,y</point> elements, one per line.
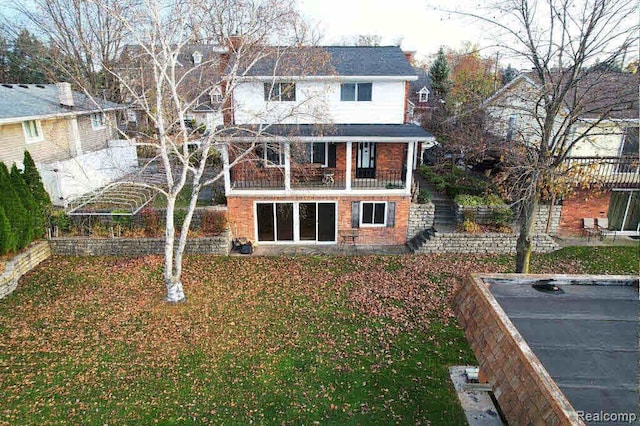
<point>624,211</point>
<point>305,222</point>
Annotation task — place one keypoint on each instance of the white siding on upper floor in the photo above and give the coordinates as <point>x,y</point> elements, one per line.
<point>319,102</point>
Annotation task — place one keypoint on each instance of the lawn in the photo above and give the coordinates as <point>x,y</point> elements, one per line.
<point>337,340</point>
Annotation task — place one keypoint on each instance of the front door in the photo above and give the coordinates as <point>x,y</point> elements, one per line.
<point>366,160</point>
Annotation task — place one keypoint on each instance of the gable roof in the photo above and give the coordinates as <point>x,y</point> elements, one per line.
<point>32,101</point>
<point>423,80</point>
<point>334,60</point>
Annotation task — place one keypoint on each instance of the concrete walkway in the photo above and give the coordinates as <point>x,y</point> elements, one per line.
<point>332,249</point>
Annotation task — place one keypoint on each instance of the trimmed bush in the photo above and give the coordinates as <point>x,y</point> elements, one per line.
<point>7,237</point>
<point>35,219</point>
<point>15,211</point>
<point>33,180</point>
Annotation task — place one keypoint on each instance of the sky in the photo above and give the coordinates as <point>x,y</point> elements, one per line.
<point>415,22</point>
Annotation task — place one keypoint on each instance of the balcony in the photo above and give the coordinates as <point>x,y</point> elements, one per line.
<point>620,172</point>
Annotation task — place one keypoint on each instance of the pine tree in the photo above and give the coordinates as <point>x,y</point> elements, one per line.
<point>439,73</point>
<point>34,214</point>
<point>16,213</point>
<point>7,237</point>
<point>34,183</point>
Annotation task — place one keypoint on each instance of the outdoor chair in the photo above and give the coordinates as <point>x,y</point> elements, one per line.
<point>588,227</point>
<point>602,224</point>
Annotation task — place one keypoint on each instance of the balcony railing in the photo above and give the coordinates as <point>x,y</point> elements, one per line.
<point>607,171</point>
<point>314,178</point>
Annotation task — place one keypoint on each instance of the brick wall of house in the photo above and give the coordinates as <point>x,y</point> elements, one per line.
<point>241,217</point>
<point>525,391</point>
<point>582,204</point>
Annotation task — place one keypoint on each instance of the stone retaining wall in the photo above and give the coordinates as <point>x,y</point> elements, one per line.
<point>20,265</point>
<point>526,393</point>
<point>483,215</point>
<point>421,216</point>
<point>132,247</point>
<point>490,243</point>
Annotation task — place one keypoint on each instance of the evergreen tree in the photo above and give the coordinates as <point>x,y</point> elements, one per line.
<point>34,214</point>
<point>507,74</point>
<point>16,213</point>
<point>7,237</point>
<point>27,60</point>
<point>34,183</point>
<point>439,73</point>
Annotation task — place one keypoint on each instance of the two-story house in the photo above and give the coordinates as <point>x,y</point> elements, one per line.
<point>607,125</point>
<point>72,138</point>
<point>334,155</point>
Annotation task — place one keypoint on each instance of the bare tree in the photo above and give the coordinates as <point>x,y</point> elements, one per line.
<point>165,90</point>
<point>565,102</point>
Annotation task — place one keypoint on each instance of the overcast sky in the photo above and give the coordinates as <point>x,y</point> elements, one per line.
<point>414,22</point>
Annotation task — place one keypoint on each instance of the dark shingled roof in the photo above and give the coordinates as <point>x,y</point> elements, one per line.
<point>330,130</point>
<point>33,100</point>
<point>586,338</point>
<point>334,60</point>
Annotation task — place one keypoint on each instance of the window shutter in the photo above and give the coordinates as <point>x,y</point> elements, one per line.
<point>355,214</point>
<point>391,214</point>
<point>331,162</point>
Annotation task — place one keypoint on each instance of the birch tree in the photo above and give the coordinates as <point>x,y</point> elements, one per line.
<point>559,40</point>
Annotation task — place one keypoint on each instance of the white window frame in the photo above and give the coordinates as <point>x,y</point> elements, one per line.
<point>296,221</point>
<point>373,225</point>
<point>216,95</point>
<point>197,58</point>
<point>38,128</point>
<point>326,154</point>
<point>275,95</point>
<point>270,146</point>
<point>97,121</point>
<point>355,93</point>
<point>423,95</point>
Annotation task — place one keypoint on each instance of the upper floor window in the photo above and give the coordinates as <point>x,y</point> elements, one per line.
<point>271,154</point>
<point>423,95</point>
<point>97,121</point>
<point>356,91</point>
<point>197,58</point>
<point>32,131</point>
<point>285,92</point>
<point>216,95</point>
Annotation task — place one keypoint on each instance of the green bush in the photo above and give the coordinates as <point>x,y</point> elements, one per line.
<point>219,197</point>
<point>35,220</point>
<point>478,200</point>
<point>34,183</point>
<point>122,218</point>
<point>424,196</point>
<point>502,216</point>
<point>179,215</point>
<point>16,213</point>
<point>453,182</point>
<point>58,218</point>
<point>7,237</point>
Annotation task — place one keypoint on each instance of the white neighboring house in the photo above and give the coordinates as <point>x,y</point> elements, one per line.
<point>72,138</point>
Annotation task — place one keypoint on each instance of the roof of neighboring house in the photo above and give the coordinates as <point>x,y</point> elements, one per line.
<point>423,80</point>
<point>334,60</point>
<point>330,130</point>
<point>586,337</point>
<point>20,101</point>
<point>210,52</point>
<point>612,94</point>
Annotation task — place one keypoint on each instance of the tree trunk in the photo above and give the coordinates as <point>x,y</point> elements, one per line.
<point>524,246</point>
<point>175,293</point>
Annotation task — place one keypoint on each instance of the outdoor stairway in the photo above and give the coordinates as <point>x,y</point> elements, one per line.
<point>445,218</point>
<point>420,239</point>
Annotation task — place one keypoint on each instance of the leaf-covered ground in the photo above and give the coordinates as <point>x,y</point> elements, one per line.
<point>337,340</point>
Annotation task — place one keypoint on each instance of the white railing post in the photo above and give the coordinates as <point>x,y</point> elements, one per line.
<point>348,167</point>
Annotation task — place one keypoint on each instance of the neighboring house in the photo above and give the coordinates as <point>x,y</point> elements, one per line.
<point>198,64</point>
<point>334,157</point>
<point>611,147</point>
<point>421,99</point>
<point>72,138</point>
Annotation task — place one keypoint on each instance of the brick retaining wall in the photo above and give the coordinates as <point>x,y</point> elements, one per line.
<point>490,243</point>
<point>20,265</point>
<point>132,247</point>
<point>525,391</point>
<point>421,217</point>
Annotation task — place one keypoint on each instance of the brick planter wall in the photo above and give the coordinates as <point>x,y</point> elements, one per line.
<point>421,216</point>
<point>525,391</point>
<point>20,265</point>
<point>490,243</point>
<point>132,247</point>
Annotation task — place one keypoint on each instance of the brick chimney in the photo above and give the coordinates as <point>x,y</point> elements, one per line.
<point>409,54</point>
<point>65,96</point>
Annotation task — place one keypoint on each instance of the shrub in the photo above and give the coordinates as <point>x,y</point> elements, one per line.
<point>502,216</point>
<point>34,227</point>
<point>219,197</point>
<point>470,227</point>
<point>34,183</point>
<point>121,218</point>
<point>150,221</point>
<point>58,218</point>
<point>454,181</point>
<point>213,222</point>
<point>478,200</point>
<point>179,215</point>
<point>7,237</point>
<point>424,196</point>
<point>14,210</point>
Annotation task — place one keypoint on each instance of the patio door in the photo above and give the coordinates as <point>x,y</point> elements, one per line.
<point>366,160</point>
<point>624,212</point>
<point>317,222</point>
<point>275,221</point>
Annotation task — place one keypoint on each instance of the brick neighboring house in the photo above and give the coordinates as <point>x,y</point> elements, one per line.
<point>334,153</point>
<point>72,138</point>
<point>611,148</point>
